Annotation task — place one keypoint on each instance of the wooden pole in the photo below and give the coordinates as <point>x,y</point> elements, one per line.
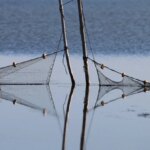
<point>65,40</point>
<point>85,61</point>
<point>83,38</point>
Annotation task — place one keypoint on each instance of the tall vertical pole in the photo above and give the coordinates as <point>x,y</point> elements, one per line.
<point>65,40</point>
<point>83,38</point>
<point>85,61</point>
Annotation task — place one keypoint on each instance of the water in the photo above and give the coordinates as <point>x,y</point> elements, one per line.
<point>114,26</point>
<point>121,124</point>
<point>35,117</point>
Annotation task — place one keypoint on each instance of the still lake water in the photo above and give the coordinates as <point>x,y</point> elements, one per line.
<point>36,120</point>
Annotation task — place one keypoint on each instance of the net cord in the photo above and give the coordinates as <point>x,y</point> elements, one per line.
<point>34,60</point>
<point>114,70</point>
<point>89,41</point>
<point>50,70</point>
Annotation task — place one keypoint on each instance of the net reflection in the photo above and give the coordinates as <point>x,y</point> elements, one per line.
<point>40,99</point>
<point>102,100</point>
<point>35,112</point>
<point>126,91</point>
<point>34,97</point>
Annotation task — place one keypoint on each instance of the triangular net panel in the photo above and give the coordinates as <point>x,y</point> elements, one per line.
<point>126,91</point>
<point>33,71</point>
<point>37,98</point>
<point>126,80</point>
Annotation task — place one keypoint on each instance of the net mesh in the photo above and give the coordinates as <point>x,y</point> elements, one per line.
<point>126,80</point>
<point>33,71</point>
<point>126,91</point>
<point>37,98</point>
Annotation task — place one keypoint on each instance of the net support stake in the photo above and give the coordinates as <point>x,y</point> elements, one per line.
<point>83,38</point>
<point>65,41</point>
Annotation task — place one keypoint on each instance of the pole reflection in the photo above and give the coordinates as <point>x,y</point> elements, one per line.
<point>66,117</point>
<point>84,120</point>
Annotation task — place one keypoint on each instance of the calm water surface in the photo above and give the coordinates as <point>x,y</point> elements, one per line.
<point>37,118</point>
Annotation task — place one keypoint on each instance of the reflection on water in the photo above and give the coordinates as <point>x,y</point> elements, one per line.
<point>84,120</point>
<point>80,126</point>
<point>35,97</point>
<point>66,118</point>
<point>14,100</point>
<point>63,117</point>
<point>126,91</point>
<point>145,115</point>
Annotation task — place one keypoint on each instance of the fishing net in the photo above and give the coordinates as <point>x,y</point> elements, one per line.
<point>126,80</point>
<point>33,71</point>
<point>37,98</point>
<point>126,91</point>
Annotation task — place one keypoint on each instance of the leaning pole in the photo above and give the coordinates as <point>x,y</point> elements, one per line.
<point>64,31</point>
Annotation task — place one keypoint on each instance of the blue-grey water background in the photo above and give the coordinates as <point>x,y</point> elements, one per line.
<point>114,26</point>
